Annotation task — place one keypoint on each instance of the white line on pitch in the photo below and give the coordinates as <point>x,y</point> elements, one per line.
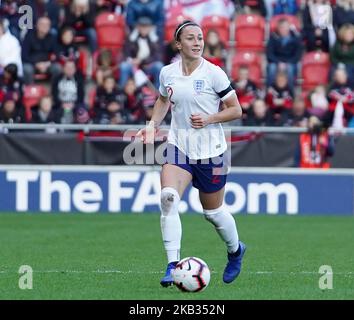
<point>349,273</point>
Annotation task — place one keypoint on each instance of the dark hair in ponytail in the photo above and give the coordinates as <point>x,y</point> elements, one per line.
<point>181,26</point>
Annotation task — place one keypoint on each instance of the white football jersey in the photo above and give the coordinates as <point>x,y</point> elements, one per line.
<point>199,92</point>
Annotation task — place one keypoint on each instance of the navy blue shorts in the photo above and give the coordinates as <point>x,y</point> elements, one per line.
<point>209,175</point>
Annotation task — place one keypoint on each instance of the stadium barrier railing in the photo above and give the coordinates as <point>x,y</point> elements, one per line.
<point>4,127</point>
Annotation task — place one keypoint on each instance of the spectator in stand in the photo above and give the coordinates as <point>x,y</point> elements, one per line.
<point>121,6</point>
<point>10,49</point>
<point>142,52</point>
<point>80,16</point>
<point>285,7</point>
<point>9,110</point>
<point>39,51</point>
<point>315,146</point>
<point>109,103</point>
<point>343,50</point>
<point>107,65</point>
<point>116,6</point>
<point>11,83</point>
<point>279,99</point>
<point>46,8</point>
<point>149,97</point>
<point>44,111</point>
<point>252,6</point>
<point>68,92</point>
<point>134,103</point>
<point>343,13</point>
<point>101,6</point>
<point>171,53</point>
<point>341,97</point>
<point>115,114</point>
<point>214,49</point>
<point>199,9</point>
<point>152,9</point>
<point>318,33</point>
<point>284,50</point>
<point>246,90</point>
<point>9,9</point>
<point>259,115</point>
<point>298,115</point>
<point>318,102</point>
<point>67,49</point>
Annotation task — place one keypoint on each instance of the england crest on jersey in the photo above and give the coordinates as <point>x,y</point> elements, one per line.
<point>198,86</point>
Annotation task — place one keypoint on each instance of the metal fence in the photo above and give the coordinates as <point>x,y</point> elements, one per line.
<point>5,127</point>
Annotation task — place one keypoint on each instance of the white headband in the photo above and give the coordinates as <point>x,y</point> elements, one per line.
<point>182,26</point>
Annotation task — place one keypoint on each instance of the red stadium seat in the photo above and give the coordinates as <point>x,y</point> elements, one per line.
<point>31,96</point>
<point>110,30</point>
<point>83,62</point>
<point>220,24</point>
<point>293,20</point>
<point>250,32</point>
<point>315,69</point>
<point>250,59</point>
<point>171,24</point>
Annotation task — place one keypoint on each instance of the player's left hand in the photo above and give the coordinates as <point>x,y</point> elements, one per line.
<point>199,120</point>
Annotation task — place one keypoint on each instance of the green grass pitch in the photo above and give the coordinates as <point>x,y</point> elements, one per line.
<point>105,256</point>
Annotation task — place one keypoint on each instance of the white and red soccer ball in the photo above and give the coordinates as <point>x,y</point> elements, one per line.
<point>191,274</point>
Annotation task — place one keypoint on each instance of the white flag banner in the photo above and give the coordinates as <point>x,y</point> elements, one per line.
<point>140,77</point>
<point>338,116</point>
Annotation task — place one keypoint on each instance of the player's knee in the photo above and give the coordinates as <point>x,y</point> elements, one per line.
<point>213,215</point>
<point>169,199</point>
<point>210,217</point>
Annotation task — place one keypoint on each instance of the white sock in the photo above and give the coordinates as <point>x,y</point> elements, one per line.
<point>171,227</point>
<point>225,225</point>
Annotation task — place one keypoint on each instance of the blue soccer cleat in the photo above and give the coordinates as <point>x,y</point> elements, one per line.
<point>167,280</point>
<point>233,267</point>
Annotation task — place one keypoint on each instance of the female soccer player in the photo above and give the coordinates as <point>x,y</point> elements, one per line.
<point>196,143</point>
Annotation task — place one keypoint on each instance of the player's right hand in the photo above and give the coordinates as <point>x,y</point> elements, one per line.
<point>146,135</point>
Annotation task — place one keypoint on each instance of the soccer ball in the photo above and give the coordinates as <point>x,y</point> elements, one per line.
<point>191,274</point>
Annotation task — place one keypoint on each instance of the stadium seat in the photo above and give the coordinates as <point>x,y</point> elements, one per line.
<point>250,32</point>
<point>171,24</point>
<point>293,20</point>
<point>315,68</point>
<point>31,96</point>
<point>110,30</point>
<point>219,24</point>
<point>83,62</point>
<point>250,59</point>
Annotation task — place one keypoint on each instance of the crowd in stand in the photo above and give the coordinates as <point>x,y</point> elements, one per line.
<point>125,83</point>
